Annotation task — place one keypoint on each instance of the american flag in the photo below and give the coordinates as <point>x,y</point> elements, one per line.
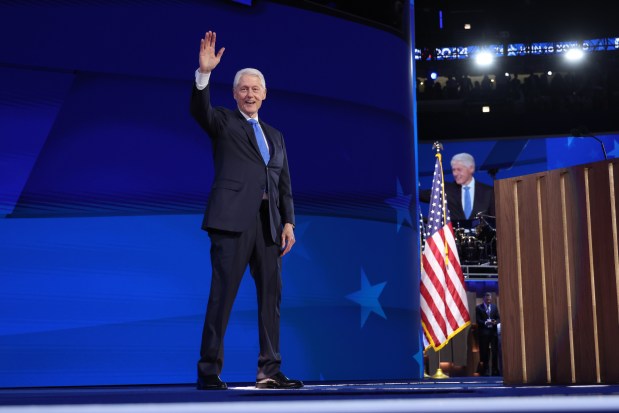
<point>444,306</point>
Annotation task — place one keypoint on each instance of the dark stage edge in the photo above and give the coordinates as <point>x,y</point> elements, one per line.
<point>473,394</point>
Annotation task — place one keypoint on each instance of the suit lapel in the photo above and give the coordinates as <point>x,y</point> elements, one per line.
<point>267,133</point>
<point>473,201</point>
<point>458,201</point>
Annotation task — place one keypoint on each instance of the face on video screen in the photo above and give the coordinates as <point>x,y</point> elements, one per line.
<point>462,174</point>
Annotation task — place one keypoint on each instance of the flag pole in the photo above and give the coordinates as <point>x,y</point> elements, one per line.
<point>438,147</point>
<point>439,372</point>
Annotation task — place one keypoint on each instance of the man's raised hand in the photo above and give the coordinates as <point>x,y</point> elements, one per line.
<point>208,59</point>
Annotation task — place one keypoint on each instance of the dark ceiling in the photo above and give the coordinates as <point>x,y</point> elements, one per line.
<point>511,21</point>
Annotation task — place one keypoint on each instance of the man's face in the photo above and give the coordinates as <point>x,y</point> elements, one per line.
<point>462,174</point>
<point>488,299</point>
<point>249,94</point>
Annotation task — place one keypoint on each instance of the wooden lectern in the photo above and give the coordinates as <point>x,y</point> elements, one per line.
<point>559,275</point>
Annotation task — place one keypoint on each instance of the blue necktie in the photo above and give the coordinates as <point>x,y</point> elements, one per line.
<point>262,143</point>
<point>468,208</point>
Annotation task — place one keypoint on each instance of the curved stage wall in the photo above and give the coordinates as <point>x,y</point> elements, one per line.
<point>104,271</point>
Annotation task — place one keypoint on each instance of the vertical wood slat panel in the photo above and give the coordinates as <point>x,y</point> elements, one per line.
<point>533,303</point>
<point>560,358</point>
<point>510,311</point>
<point>613,175</point>
<point>580,278</point>
<point>544,247</point>
<point>589,200</point>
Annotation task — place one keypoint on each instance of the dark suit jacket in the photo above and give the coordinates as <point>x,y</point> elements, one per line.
<point>483,202</point>
<point>481,316</point>
<point>240,174</point>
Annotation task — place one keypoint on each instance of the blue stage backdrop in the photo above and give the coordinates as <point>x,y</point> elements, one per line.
<point>104,270</point>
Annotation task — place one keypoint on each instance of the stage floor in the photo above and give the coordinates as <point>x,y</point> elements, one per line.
<point>487,394</point>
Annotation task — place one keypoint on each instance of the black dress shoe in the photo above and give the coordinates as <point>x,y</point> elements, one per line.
<point>279,381</point>
<point>211,382</point>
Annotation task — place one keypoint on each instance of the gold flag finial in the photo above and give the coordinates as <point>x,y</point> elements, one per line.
<point>437,147</point>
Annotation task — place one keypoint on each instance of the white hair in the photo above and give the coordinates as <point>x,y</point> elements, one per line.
<point>464,158</point>
<point>249,72</point>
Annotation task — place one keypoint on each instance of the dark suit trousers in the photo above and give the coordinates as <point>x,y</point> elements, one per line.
<point>231,252</point>
<point>487,341</point>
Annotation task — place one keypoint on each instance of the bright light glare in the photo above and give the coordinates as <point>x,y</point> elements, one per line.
<point>485,109</point>
<point>574,54</point>
<point>484,58</point>
<point>549,73</point>
<point>433,75</point>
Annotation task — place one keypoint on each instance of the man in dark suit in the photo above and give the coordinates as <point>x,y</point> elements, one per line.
<point>465,197</point>
<point>249,217</point>
<point>481,196</point>
<point>487,317</point>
